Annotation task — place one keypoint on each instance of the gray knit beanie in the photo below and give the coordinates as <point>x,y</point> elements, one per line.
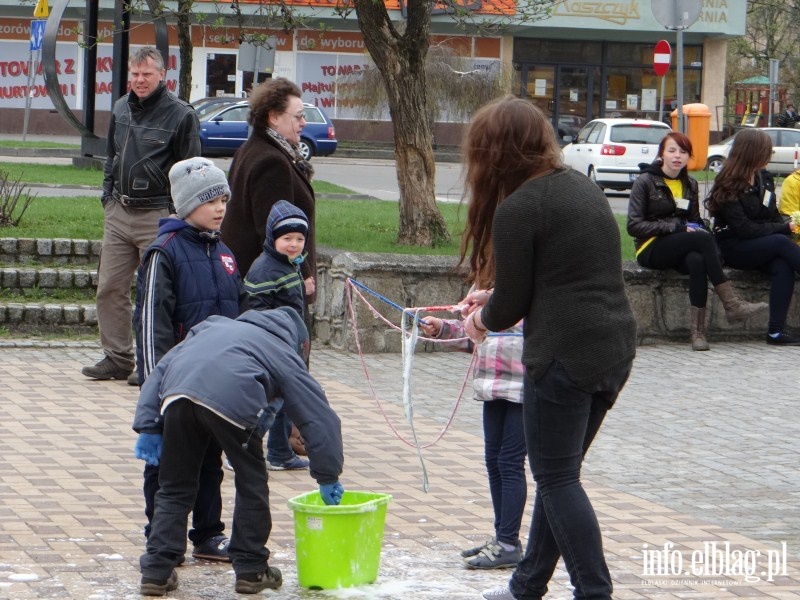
<point>195,181</point>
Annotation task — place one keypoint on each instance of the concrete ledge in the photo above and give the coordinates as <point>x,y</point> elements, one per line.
<point>660,299</point>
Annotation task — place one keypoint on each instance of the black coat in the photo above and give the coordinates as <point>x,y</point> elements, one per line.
<point>261,174</point>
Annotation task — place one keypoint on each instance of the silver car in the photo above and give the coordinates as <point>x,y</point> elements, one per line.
<point>609,151</point>
<point>785,148</point>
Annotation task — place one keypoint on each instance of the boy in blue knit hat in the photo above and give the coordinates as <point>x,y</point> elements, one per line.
<point>274,280</point>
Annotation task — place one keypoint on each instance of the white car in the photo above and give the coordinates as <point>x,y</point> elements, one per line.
<point>609,151</point>
<point>785,151</point>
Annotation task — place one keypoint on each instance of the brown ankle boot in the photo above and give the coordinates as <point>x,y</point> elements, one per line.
<point>697,327</point>
<point>737,309</point>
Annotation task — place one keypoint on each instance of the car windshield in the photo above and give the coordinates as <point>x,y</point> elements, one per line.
<point>637,134</point>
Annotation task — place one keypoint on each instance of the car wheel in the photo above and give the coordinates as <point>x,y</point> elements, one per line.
<point>714,164</point>
<point>306,149</point>
<point>593,176</point>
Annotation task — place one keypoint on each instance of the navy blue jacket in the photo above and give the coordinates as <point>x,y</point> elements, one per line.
<point>273,280</point>
<point>234,368</point>
<point>186,276</point>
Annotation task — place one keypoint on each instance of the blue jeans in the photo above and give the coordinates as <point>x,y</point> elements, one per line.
<point>561,420</point>
<point>279,450</point>
<point>504,446</point>
<point>188,430</point>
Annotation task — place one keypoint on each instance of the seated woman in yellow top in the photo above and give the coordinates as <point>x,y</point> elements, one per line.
<point>790,196</point>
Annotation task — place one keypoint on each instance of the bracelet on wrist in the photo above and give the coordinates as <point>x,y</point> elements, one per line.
<point>481,328</point>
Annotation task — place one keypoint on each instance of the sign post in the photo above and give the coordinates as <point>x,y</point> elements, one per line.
<point>37,35</point>
<point>662,56</point>
<point>678,15</point>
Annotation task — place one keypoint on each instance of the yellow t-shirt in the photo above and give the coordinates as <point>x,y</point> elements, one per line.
<point>790,195</point>
<point>675,186</point>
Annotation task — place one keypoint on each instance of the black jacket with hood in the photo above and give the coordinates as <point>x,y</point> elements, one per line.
<point>652,210</point>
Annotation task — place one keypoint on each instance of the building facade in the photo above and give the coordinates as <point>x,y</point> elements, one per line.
<point>587,60</point>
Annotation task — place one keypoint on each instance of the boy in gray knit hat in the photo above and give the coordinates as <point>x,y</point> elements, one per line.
<point>187,274</point>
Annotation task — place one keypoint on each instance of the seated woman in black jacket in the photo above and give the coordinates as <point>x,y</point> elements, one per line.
<point>664,220</point>
<point>749,229</point>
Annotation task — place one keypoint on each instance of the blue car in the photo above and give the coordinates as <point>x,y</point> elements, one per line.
<point>222,131</point>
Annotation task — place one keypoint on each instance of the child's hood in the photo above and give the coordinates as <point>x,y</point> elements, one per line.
<point>282,209</point>
<point>171,224</point>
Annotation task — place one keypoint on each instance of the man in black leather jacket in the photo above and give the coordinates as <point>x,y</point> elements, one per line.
<point>150,130</point>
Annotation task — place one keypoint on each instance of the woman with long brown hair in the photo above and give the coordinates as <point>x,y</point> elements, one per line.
<point>548,236</point>
<point>750,231</point>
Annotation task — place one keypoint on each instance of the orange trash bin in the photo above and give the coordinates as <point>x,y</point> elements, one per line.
<point>698,130</point>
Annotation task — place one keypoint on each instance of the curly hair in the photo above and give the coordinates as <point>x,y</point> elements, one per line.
<point>508,142</point>
<point>750,152</point>
<point>271,95</point>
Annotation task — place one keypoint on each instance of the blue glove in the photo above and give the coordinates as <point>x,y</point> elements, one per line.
<point>148,448</point>
<point>331,493</point>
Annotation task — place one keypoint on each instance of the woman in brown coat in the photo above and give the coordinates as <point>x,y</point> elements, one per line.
<point>267,168</point>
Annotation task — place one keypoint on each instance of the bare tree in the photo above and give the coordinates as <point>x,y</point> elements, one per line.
<point>772,32</point>
<point>399,50</point>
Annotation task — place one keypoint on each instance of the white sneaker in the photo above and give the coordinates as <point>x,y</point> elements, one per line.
<point>502,593</point>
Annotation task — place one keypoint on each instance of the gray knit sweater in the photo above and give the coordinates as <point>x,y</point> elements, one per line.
<point>558,265</point>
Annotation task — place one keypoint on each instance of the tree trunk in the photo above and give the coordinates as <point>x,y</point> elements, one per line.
<point>401,61</point>
<point>185,49</point>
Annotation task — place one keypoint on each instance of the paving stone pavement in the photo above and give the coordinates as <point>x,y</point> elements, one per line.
<point>699,450</point>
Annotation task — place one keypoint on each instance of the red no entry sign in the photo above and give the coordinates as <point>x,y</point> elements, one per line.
<point>661,58</point>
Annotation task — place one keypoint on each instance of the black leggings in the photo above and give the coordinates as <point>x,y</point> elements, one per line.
<point>776,254</point>
<point>690,253</point>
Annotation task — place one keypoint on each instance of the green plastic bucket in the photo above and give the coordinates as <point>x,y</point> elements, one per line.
<point>338,546</point>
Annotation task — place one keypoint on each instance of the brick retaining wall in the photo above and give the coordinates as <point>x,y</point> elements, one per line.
<point>660,299</point>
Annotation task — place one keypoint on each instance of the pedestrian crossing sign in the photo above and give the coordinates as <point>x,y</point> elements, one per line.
<point>42,11</point>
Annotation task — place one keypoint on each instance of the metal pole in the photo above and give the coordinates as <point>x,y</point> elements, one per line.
<point>661,100</point>
<point>90,63</point>
<point>681,124</point>
<point>32,66</point>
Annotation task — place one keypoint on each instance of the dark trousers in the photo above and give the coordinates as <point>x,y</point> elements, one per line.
<point>279,450</point>
<point>207,509</point>
<point>188,430</point>
<point>504,446</point>
<point>561,420</point>
<point>775,254</point>
<point>690,253</point>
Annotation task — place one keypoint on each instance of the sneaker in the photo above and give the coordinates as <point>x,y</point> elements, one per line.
<point>502,593</point>
<point>106,369</point>
<point>477,549</point>
<point>295,464</point>
<point>253,583</point>
<point>214,548</point>
<point>158,587</point>
<point>133,379</point>
<point>783,339</point>
<point>494,556</point>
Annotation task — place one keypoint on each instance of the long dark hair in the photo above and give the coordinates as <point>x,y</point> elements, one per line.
<point>508,142</point>
<point>750,152</point>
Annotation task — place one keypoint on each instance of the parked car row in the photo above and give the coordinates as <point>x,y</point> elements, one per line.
<point>224,127</point>
<point>609,151</point>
